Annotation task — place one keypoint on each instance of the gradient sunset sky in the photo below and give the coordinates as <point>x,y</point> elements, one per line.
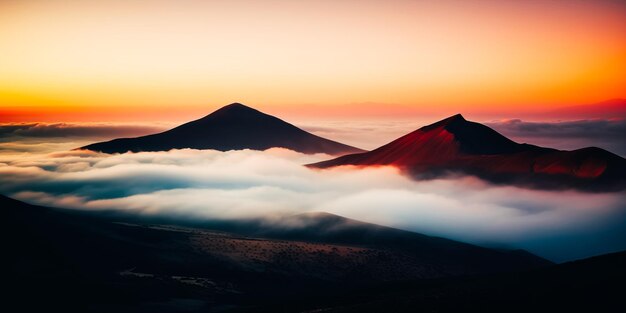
<point>140,60</point>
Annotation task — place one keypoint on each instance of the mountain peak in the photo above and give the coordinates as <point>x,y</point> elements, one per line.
<point>456,117</point>
<point>236,108</point>
<point>236,111</point>
<point>476,138</point>
<point>448,139</point>
<point>235,105</point>
<point>454,120</point>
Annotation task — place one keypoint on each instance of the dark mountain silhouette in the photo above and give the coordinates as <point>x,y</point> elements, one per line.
<point>455,145</point>
<point>233,127</point>
<point>105,261</point>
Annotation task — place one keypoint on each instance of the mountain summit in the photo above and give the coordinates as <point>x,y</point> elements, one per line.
<point>233,127</point>
<point>455,145</point>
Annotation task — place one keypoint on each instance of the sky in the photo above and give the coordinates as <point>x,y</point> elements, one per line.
<point>172,61</point>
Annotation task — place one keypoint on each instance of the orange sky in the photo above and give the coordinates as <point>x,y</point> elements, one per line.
<point>137,60</point>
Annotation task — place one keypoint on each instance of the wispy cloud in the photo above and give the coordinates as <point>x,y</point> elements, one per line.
<point>365,134</point>
<point>22,139</point>
<point>49,130</point>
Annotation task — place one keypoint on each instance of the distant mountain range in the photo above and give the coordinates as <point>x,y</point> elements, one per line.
<point>450,146</point>
<point>233,127</point>
<point>455,145</point>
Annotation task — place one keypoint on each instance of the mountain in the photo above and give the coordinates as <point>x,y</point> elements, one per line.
<point>105,261</point>
<point>455,145</point>
<point>233,127</point>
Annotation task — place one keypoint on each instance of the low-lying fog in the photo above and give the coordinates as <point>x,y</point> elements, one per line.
<point>559,225</point>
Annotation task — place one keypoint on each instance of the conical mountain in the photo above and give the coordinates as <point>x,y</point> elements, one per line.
<point>233,127</point>
<point>457,146</point>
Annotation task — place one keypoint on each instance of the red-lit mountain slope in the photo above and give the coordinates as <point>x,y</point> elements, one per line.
<point>457,146</point>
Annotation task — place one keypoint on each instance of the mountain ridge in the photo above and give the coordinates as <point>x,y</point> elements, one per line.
<point>455,145</point>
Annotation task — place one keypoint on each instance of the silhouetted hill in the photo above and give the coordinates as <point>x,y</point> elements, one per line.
<point>233,127</point>
<point>589,285</point>
<point>96,262</point>
<point>455,145</point>
<point>456,257</point>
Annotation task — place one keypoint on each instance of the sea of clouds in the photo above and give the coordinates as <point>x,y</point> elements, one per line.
<point>208,184</point>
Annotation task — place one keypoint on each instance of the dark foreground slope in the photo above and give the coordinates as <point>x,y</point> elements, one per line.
<point>443,257</point>
<point>85,262</point>
<point>455,145</point>
<point>233,127</point>
<point>590,285</point>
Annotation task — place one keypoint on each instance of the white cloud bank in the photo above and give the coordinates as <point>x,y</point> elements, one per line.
<point>250,184</point>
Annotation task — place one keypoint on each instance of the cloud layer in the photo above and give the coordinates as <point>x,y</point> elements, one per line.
<point>93,130</point>
<point>255,184</point>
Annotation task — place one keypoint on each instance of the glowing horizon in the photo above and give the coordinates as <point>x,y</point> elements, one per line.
<point>173,60</point>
